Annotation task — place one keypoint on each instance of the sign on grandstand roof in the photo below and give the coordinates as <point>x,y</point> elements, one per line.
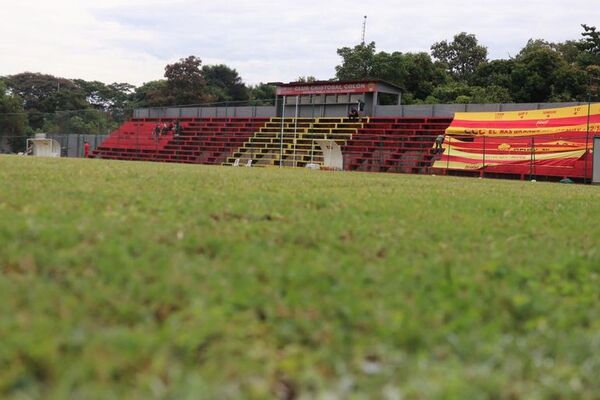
<point>328,87</point>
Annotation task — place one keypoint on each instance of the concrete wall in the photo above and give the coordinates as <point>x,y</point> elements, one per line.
<point>204,112</point>
<point>334,110</point>
<point>448,110</point>
<point>72,145</point>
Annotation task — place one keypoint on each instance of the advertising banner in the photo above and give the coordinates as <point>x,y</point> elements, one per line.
<point>545,138</point>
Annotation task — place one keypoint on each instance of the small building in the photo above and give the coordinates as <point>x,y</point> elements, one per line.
<point>41,146</point>
<point>334,98</point>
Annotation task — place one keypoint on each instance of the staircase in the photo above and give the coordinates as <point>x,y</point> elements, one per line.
<point>291,142</point>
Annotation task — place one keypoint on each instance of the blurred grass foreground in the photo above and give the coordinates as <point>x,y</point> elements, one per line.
<point>147,280</point>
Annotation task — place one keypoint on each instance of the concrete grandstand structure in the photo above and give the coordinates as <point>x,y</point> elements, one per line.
<point>385,137</point>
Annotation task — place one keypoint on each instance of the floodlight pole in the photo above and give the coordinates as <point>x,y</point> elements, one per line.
<point>281,139</point>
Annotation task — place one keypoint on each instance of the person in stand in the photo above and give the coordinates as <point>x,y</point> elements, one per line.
<point>170,127</point>
<point>157,130</point>
<point>177,127</point>
<point>439,140</point>
<point>353,115</point>
<point>165,128</point>
<point>86,149</point>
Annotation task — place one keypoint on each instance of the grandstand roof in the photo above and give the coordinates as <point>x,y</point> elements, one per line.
<point>325,87</point>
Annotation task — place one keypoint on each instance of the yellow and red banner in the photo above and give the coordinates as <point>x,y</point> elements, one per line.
<point>527,123</point>
<point>510,142</point>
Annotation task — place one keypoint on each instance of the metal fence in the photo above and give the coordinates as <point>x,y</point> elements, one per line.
<point>71,144</point>
<point>412,110</point>
<point>526,157</point>
<point>70,128</point>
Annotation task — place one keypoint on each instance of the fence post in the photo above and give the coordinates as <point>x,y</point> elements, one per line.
<point>448,155</point>
<point>532,159</point>
<point>281,139</point>
<point>483,167</point>
<point>587,138</point>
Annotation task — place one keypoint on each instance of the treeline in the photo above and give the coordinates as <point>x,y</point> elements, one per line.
<point>460,72</point>
<point>456,71</point>
<point>35,102</point>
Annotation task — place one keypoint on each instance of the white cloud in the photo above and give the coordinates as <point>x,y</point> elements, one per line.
<point>266,40</point>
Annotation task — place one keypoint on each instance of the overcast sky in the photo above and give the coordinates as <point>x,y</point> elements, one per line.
<point>265,40</point>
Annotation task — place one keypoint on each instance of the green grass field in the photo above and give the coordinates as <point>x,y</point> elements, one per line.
<point>140,280</point>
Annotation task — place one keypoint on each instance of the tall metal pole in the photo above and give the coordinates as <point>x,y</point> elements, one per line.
<point>448,155</point>
<point>364,30</point>
<point>587,132</point>
<point>296,129</point>
<point>532,160</point>
<point>281,139</point>
<point>483,155</point>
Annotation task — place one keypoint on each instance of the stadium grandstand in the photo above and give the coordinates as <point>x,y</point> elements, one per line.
<point>362,126</point>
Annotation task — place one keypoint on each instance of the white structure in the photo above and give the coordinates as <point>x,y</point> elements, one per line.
<point>40,146</point>
<point>332,154</point>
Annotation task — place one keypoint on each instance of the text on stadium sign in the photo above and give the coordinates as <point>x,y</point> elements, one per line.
<point>327,89</point>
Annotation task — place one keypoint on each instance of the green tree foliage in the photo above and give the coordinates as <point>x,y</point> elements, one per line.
<point>59,105</point>
<point>224,83</point>
<point>152,94</point>
<point>589,46</point>
<point>461,57</point>
<point>496,72</point>
<point>306,79</point>
<point>357,62</point>
<point>591,40</point>
<point>460,92</point>
<point>541,74</point>
<point>415,73</point>
<point>262,94</point>
<point>13,120</point>
<point>186,83</point>
<point>422,76</point>
<point>44,94</point>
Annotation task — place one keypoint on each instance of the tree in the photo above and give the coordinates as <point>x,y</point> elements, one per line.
<point>422,76</point>
<point>541,74</point>
<point>496,72</point>
<point>569,50</point>
<point>306,79</point>
<point>461,57</point>
<point>357,62</point>
<point>224,83</point>
<point>415,73</point>
<point>43,95</point>
<point>460,92</point>
<point>115,96</point>
<point>262,94</point>
<point>13,120</point>
<point>591,40</point>
<point>186,83</point>
<point>590,47</point>
<point>152,94</point>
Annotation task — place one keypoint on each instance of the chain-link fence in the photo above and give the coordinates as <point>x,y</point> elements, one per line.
<point>70,128</point>
<point>534,157</point>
